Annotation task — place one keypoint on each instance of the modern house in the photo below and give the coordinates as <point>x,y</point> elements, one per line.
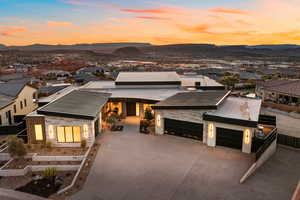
<point>200,109</point>
<point>16,99</point>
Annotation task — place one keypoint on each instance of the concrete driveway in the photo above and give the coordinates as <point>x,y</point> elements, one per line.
<point>132,166</point>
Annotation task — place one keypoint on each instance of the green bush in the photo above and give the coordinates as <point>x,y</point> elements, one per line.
<point>83,144</point>
<point>16,147</point>
<point>148,114</point>
<point>50,173</point>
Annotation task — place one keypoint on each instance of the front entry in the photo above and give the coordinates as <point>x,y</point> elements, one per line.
<point>131,109</point>
<point>184,129</point>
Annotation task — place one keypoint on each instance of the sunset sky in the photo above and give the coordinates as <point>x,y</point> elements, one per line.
<point>155,21</point>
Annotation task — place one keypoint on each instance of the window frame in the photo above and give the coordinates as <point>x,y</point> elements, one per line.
<point>15,108</point>
<point>65,135</point>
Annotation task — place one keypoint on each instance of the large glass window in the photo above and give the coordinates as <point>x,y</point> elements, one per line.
<point>38,132</point>
<point>68,134</point>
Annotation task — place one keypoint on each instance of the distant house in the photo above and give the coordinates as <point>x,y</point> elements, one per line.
<point>90,70</point>
<point>83,78</point>
<point>16,99</point>
<point>57,73</point>
<point>20,68</point>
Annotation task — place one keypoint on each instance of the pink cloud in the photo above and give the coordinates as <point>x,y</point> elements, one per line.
<point>152,11</point>
<point>152,18</point>
<point>11,30</point>
<point>229,11</point>
<point>58,23</point>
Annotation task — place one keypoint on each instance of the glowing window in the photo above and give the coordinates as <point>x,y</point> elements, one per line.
<point>158,120</point>
<point>76,133</point>
<point>69,134</point>
<point>38,132</point>
<point>137,105</point>
<point>61,134</point>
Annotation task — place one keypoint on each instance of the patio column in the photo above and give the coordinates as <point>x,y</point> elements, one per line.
<point>124,111</point>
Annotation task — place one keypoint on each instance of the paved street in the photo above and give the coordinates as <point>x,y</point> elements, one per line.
<point>132,166</point>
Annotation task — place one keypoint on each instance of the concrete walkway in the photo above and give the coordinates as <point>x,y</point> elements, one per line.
<point>133,166</point>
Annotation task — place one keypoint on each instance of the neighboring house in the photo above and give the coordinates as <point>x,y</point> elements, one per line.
<point>57,73</point>
<point>280,91</point>
<point>206,114</point>
<point>90,70</point>
<point>84,78</point>
<point>16,99</point>
<point>51,89</point>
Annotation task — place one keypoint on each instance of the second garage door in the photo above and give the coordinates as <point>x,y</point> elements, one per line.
<point>229,138</point>
<point>183,128</point>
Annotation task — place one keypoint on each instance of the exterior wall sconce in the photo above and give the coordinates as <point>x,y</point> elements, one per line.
<point>51,131</point>
<point>211,130</point>
<point>85,131</point>
<point>247,136</point>
<point>158,120</point>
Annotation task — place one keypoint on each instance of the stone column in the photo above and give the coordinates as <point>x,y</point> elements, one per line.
<point>159,123</point>
<point>247,140</point>
<point>211,134</point>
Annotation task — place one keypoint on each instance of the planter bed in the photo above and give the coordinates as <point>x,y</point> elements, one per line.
<point>45,187</point>
<point>82,176</point>
<point>59,151</point>
<point>22,163</point>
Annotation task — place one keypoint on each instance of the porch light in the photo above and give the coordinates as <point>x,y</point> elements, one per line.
<point>247,136</point>
<point>85,131</point>
<point>158,120</point>
<point>211,130</point>
<point>50,131</point>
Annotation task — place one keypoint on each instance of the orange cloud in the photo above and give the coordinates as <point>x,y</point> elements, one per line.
<point>203,28</point>
<point>58,23</point>
<point>11,30</point>
<point>229,11</point>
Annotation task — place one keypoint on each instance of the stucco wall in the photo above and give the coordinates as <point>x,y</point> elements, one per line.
<point>26,93</point>
<point>60,121</point>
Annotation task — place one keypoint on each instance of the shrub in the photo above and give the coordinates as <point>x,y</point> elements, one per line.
<point>50,173</point>
<point>83,144</point>
<point>48,144</point>
<point>112,119</point>
<point>16,147</point>
<point>148,114</point>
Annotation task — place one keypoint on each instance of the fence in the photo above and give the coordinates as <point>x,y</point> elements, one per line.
<point>267,142</point>
<point>288,141</point>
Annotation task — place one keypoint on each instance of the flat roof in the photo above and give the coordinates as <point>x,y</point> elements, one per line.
<point>193,100</point>
<point>141,93</point>
<point>190,80</point>
<point>239,108</point>
<point>76,104</point>
<point>148,77</point>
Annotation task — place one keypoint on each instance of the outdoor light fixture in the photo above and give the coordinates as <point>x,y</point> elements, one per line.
<point>158,120</point>
<point>50,131</point>
<point>247,136</point>
<point>211,130</point>
<point>85,131</point>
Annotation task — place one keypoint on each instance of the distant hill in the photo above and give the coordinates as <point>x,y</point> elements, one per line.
<point>275,46</point>
<point>99,47</point>
<point>128,52</point>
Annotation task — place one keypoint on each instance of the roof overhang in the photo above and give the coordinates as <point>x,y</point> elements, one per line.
<point>226,120</point>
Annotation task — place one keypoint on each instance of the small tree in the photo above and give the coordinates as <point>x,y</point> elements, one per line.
<point>16,147</point>
<point>148,114</point>
<point>111,119</point>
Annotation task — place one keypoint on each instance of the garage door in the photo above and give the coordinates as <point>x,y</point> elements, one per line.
<point>184,129</point>
<point>229,138</point>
